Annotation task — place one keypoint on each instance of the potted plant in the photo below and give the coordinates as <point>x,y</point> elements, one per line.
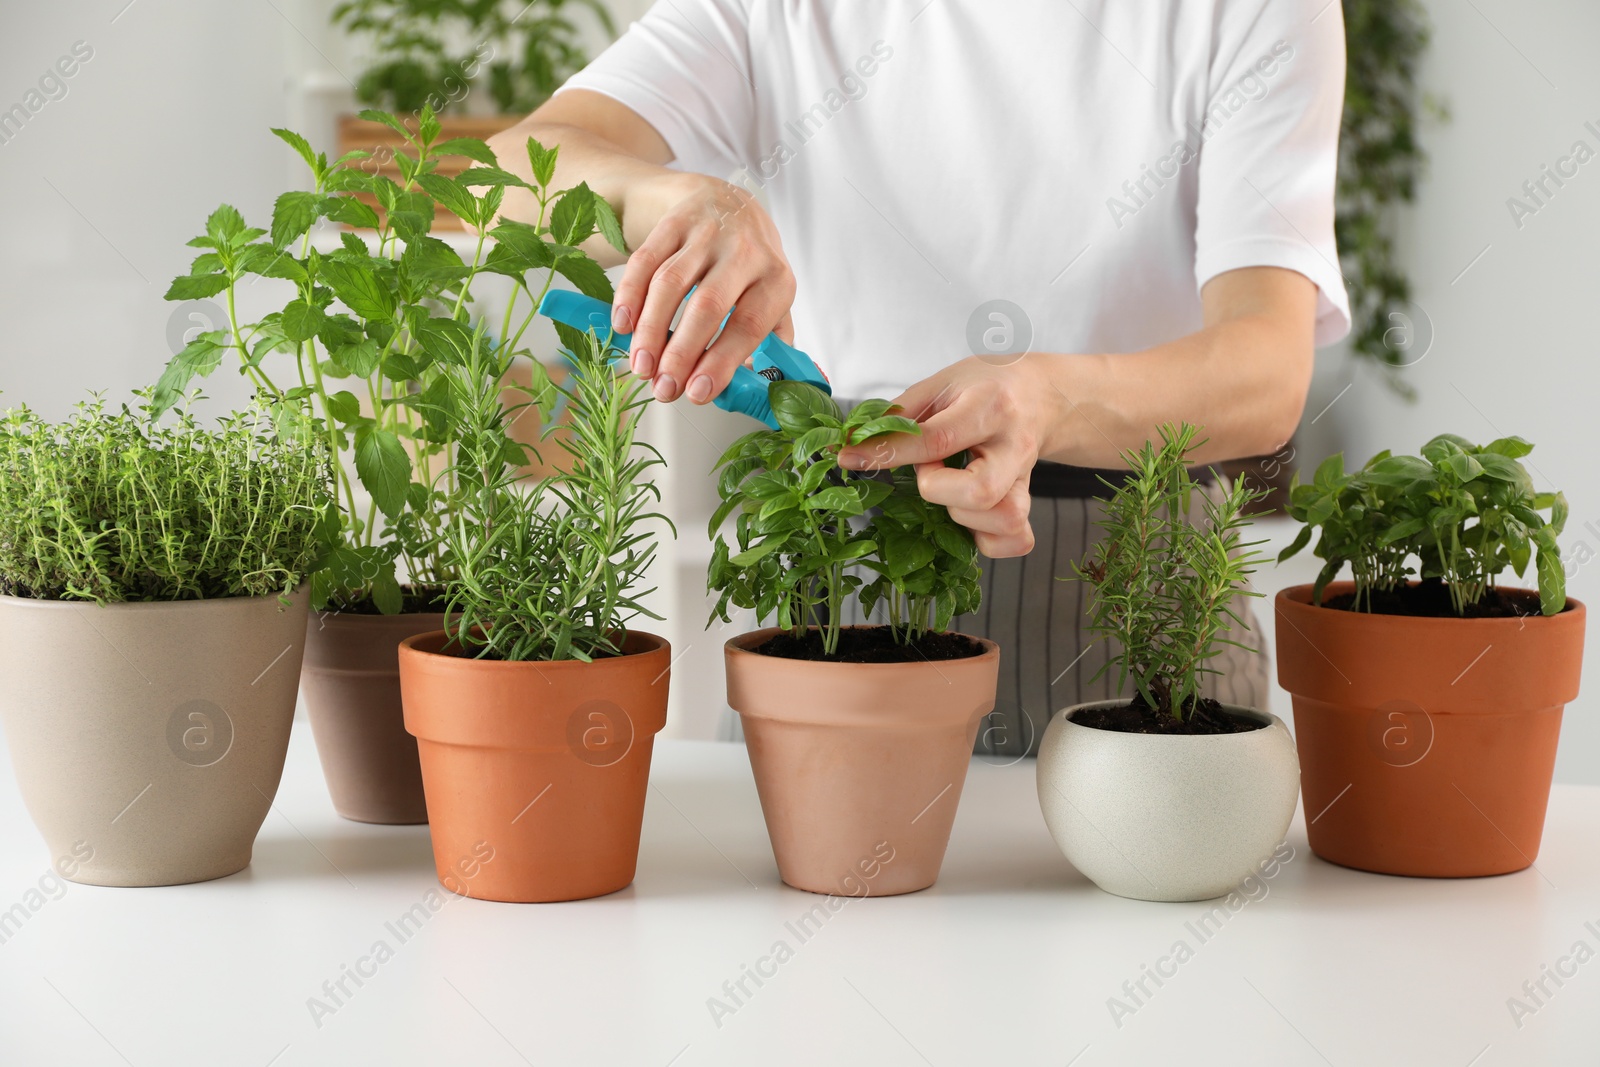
<point>1167,794</point>
<point>859,737</point>
<point>1427,699</point>
<point>536,708</point>
<point>152,596</point>
<point>480,65</point>
<point>359,358</point>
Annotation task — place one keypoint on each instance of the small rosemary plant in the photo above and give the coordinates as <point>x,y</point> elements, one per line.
<point>550,570</point>
<point>1161,584</point>
<point>112,506</point>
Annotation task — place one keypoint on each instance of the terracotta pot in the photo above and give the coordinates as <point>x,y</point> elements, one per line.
<point>535,772</point>
<point>351,685</point>
<point>1162,817</point>
<point>148,738</point>
<point>859,765</point>
<point>1426,745</point>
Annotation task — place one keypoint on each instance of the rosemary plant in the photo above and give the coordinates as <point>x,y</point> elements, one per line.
<point>551,570</point>
<point>116,506</point>
<point>364,355</point>
<point>803,529</point>
<point>1161,584</point>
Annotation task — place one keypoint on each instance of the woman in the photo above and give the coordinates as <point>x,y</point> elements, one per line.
<point>1044,227</point>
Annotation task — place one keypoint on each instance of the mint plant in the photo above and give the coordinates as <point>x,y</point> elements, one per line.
<point>360,358</point>
<point>803,527</point>
<point>555,570</point>
<point>1464,513</point>
<point>112,506</point>
<point>1161,584</point>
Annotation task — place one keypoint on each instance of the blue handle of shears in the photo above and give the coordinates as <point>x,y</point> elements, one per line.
<point>773,360</point>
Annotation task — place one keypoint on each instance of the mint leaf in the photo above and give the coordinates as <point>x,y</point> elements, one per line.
<point>225,224</point>
<point>572,222</point>
<point>609,225</point>
<point>292,215</point>
<point>470,147</point>
<point>302,146</point>
<point>358,287</point>
<point>196,286</point>
<point>383,467</point>
<point>587,275</point>
<point>301,320</point>
<point>543,161</point>
<point>386,119</point>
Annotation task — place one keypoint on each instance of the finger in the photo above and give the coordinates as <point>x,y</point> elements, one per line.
<point>678,274</point>
<point>785,327</point>
<point>664,241</point>
<point>964,424</point>
<point>982,484</point>
<point>755,317</point>
<point>1003,530</point>
<point>722,288</point>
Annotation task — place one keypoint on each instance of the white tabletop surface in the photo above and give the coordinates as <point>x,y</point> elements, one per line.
<point>1011,959</point>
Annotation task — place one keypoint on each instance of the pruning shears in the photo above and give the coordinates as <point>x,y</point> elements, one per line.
<point>774,360</point>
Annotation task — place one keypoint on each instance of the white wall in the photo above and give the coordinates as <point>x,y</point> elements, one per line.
<point>1515,337</point>
<point>170,116</point>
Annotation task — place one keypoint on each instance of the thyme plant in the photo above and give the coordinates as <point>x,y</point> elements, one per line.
<point>111,506</point>
<point>553,570</point>
<point>363,355</point>
<point>1161,584</point>
<point>1465,513</point>
<point>803,527</point>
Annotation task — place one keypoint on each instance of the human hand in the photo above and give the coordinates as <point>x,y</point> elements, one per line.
<point>998,413</point>
<point>713,235</point>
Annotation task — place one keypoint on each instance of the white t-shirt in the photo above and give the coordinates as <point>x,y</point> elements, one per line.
<point>1089,163</point>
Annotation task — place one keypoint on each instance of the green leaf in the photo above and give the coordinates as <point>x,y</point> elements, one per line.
<point>196,287</point>
<point>543,161</point>
<point>383,467</point>
<point>605,219</point>
<point>757,554</point>
<point>452,195</point>
<point>300,145</point>
<point>292,215</point>
<point>587,275</point>
<point>572,221</point>
<point>351,212</point>
<point>1510,447</point>
<point>386,594</point>
<point>470,147</point>
<point>386,119</point>
<point>491,176</point>
<point>343,406</point>
<point>198,359</point>
<point>301,320</point>
<point>358,287</point>
<point>225,224</point>
<point>796,406</point>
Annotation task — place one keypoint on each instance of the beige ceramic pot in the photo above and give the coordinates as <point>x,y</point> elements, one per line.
<point>351,684</point>
<point>150,737</point>
<point>859,765</point>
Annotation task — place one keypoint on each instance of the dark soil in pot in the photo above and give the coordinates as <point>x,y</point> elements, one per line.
<point>871,644</point>
<point>414,600</point>
<point>1137,717</point>
<point>1430,598</point>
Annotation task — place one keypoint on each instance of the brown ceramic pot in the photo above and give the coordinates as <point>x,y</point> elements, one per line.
<point>535,772</point>
<point>859,765</point>
<point>1426,744</point>
<point>351,685</point>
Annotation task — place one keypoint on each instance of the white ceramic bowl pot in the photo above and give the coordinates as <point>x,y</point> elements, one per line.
<point>148,738</point>
<point>1164,816</point>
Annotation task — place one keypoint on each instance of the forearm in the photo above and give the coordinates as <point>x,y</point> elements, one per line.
<point>1242,380</point>
<point>640,190</point>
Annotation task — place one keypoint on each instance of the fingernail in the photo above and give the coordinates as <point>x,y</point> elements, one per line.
<point>700,389</point>
<point>666,387</point>
<point>850,460</point>
<point>643,364</point>
<point>621,319</point>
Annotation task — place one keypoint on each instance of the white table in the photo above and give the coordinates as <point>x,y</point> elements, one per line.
<point>1010,959</point>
